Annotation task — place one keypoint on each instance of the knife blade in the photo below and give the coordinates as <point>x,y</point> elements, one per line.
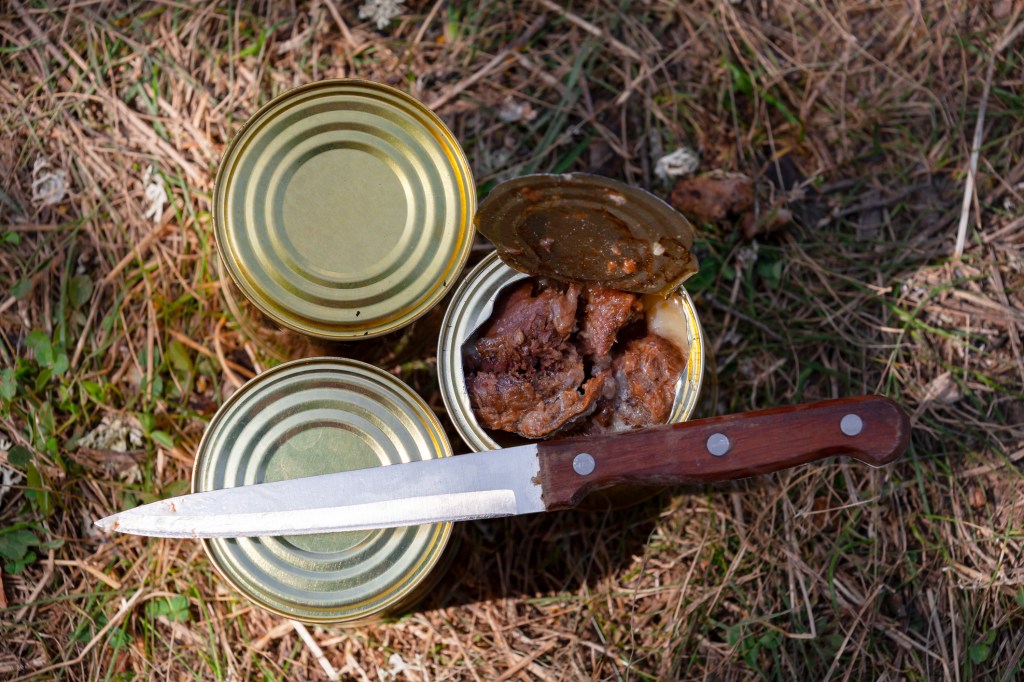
<point>537,477</point>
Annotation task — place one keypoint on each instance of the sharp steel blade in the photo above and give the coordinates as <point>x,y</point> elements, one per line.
<point>481,485</point>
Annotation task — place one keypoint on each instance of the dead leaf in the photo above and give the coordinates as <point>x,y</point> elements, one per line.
<point>712,197</point>
<point>976,497</point>
<point>719,196</point>
<point>752,226</point>
<point>943,390</point>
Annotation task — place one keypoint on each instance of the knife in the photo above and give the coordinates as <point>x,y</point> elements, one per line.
<point>542,476</point>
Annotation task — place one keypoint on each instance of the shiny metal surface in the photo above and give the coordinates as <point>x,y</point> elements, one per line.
<point>718,444</point>
<point>472,305</point>
<point>851,424</point>
<point>583,464</point>
<point>343,209</point>
<point>459,488</point>
<point>308,418</point>
<point>589,229</point>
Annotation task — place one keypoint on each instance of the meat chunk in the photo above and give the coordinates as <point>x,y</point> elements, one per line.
<point>605,313</point>
<point>527,330</point>
<point>644,377</point>
<point>514,403</point>
<point>568,409</point>
<point>531,372</point>
<point>529,378</point>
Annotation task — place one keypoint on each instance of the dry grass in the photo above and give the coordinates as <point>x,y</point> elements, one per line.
<point>867,111</point>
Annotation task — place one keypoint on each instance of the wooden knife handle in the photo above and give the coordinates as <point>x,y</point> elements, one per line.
<point>872,429</point>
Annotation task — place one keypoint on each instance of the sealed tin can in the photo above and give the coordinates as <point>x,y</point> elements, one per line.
<point>472,306</point>
<point>343,210</point>
<point>311,417</point>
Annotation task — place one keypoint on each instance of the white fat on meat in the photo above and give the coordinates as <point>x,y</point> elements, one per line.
<point>667,319</point>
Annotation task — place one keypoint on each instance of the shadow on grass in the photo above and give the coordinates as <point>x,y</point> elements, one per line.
<point>541,555</point>
<point>550,557</point>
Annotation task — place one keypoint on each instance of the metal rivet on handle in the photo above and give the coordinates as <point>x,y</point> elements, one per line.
<point>851,425</point>
<point>718,444</point>
<point>583,464</point>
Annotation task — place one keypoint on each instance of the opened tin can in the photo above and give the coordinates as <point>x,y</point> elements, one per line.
<point>472,306</point>
<point>312,417</point>
<point>343,210</point>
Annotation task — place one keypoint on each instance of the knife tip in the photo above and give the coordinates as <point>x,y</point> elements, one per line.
<point>108,524</point>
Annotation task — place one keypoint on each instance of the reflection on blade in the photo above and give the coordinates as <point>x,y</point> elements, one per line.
<point>411,511</point>
<point>471,486</point>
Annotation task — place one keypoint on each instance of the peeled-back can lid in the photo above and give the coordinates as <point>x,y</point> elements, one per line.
<point>577,227</point>
<point>312,417</point>
<point>343,209</point>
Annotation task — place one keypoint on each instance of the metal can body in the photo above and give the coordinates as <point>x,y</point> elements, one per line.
<point>312,417</point>
<point>472,305</point>
<point>343,209</point>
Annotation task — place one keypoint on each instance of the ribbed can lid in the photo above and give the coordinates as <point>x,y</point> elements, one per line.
<point>343,209</point>
<point>312,417</point>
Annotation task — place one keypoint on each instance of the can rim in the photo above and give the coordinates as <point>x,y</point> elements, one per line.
<point>444,527</point>
<point>444,284</point>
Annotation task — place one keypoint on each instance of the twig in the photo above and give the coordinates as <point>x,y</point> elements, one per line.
<point>491,66</point>
<point>35,280</point>
<point>1004,310</point>
<point>222,359</point>
<point>470,665</point>
<point>136,252</point>
<point>1006,229</point>
<point>318,653</point>
<point>35,227</point>
<point>617,45</point>
<point>1011,35</point>
<point>1014,335</point>
<point>426,23</point>
<point>126,606</point>
<point>342,26</point>
<point>43,582</point>
<point>989,468</point>
<point>131,117</point>
<point>279,630</point>
<point>715,303</point>
<point>853,628</point>
<point>1011,663</point>
<point>198,347</point>
<point>84,334</point>
<point>979,130</point>
<point>503,59</point>
<point>871,205</point>
<point>91,570</point>
<point>849,505</point>
<point>525,661</point>
<point>937,624</point>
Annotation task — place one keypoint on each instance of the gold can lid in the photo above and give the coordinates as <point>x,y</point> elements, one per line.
<point>344,209</point>
<point>312,417</point>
